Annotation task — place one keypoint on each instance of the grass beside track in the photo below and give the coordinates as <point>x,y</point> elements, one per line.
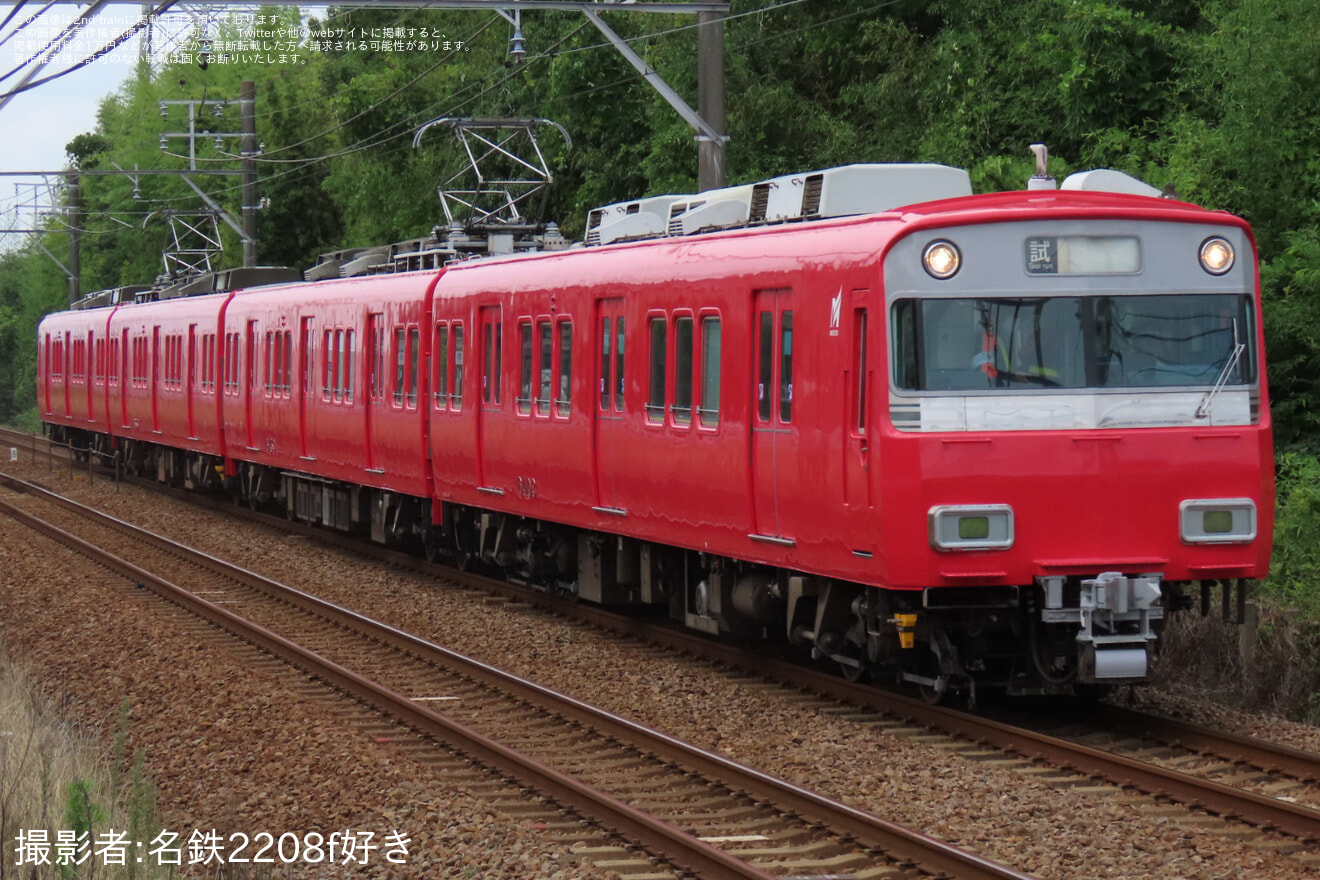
<point>57,777</point>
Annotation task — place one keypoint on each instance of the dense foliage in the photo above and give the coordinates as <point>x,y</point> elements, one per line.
<point>1219,99</point>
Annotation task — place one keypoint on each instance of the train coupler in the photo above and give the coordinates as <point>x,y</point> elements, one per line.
<point>1113,614</point>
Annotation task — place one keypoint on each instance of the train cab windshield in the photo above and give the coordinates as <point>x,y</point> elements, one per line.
<point>1072,342</point>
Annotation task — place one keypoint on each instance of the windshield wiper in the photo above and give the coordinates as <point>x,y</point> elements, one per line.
<point>1208,402</point>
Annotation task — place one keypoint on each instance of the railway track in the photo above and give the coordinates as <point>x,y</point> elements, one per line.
<point>701,813</point>
<point>1267,786</point>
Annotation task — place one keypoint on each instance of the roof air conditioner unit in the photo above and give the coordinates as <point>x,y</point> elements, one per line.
<point>1108,180</point>
<point>712,210</point>
<point>869,189</point>
<point>640,218</point>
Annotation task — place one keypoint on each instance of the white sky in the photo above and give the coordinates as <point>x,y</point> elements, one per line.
<point>39,122</point>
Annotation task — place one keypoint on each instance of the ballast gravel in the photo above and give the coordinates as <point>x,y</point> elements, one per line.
<point>237,751</point>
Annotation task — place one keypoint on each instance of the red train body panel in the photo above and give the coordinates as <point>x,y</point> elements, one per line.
<point>759,427</point>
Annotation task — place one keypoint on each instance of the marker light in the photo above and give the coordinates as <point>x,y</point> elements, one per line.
<point>1216,255</point>
<point>971,527</point>
<point>1217,521</point>
<point>941,259</point>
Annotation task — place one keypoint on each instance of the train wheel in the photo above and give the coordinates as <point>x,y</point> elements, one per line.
<point>936,694</point>
<point>465,546</point>
<point>431,546</point>
<point>854,673</point>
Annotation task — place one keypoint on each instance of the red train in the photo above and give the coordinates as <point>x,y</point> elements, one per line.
<point>961,440</point>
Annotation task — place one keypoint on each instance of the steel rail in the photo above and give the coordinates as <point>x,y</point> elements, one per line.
<point>1255,809</point>
<point>682,849</point>
<point>897,841</point>
<point>1283,759</point>
<point>1260,810</point>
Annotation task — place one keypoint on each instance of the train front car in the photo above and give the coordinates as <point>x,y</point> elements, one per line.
<point>1078,432</point>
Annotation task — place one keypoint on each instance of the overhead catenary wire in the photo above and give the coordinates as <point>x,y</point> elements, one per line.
<point>106,49</point>
<point>397,131</point>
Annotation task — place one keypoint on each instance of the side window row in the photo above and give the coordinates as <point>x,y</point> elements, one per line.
<point>696,369</point>
<point>545,365</point>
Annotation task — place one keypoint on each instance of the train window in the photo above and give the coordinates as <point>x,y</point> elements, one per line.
<point>786,368</point>
<point>709,407</point>
<point>401,363</point>
<point>655,399</point>
<point>524,367</point>
<point>288,362</point>
<point>414,351</point>
<point>376,355</point>
<point>618,361</point>
<point>544,366</point>
<point>231,363</point>
<point>605,364</point>
<point>765,360</point>
<point>266,360</point>
<point>141,361</point>
<point>440,363</point>
<point>492,355</point>
<point>349,364</point>
<point>205,346</point>
<point>112,367</point>
<point>611,362</point>
<point>487,347</point>
<point>683,370</point>
<point>327,374</point>
<point>565,367</point>
<point>859,370</point>
<point>1071,342</point>
<point>335,355</point>
<point>456,390</point>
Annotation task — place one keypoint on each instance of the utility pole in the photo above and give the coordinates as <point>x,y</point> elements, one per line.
<point>710,101</point>
<point>248,150</point>
<point>247,108</point>
<point>75,267</point>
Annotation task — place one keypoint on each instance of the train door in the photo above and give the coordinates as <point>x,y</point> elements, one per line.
<point>375,382</point>
<point>190,378</point>
<point>89,376</point>
<point>774,435</point>
<point>305,381</point>
<point>124,378</point>
<point>250,383</point>
<point>857,384</point>
<point>610,423</point>
<point>490,357</point>
<point>43,371</point>
<point>155,379</point>
<point>66,373</point>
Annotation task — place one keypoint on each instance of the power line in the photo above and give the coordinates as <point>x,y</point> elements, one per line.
<point>26,85</point>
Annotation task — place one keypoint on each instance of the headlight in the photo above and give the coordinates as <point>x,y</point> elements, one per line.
<point>941,259</point>
<point>1217,521</point>
<point>1216,255</point>
<point>971,527</point>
